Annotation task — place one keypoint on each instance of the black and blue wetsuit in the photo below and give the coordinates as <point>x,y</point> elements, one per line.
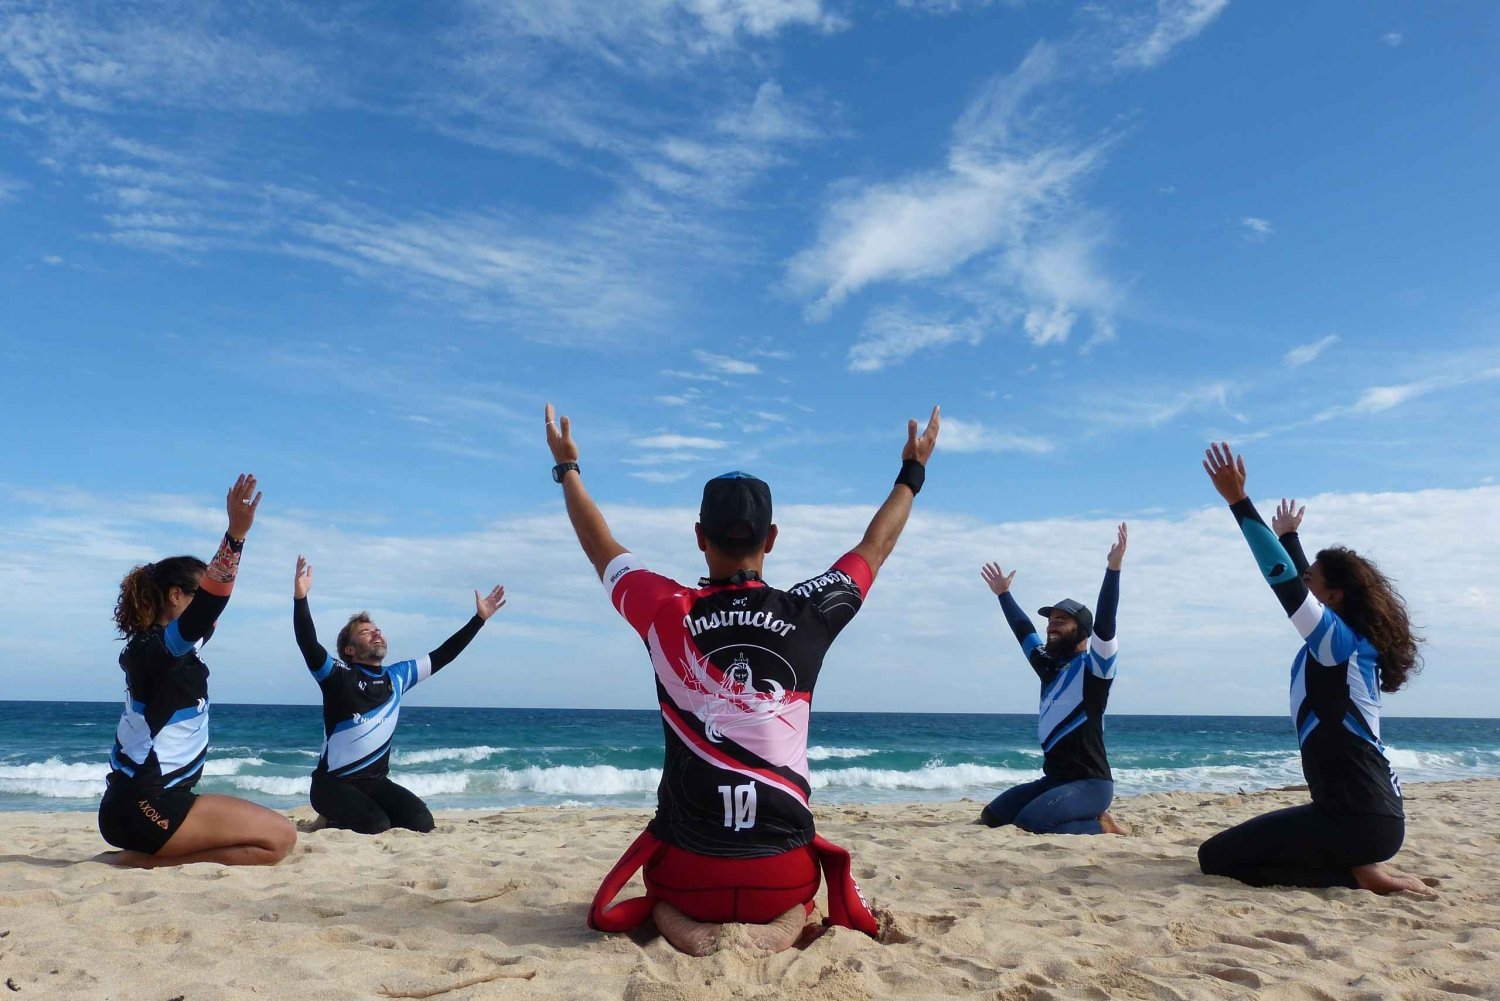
<point>1076,785</point>
<point>162,738</point>
<point>1356,816</point>
<point>361,705</point>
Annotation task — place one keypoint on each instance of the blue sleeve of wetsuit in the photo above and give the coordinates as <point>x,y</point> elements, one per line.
<point>1292,543</point>
<point>1020,624</point>
<point>1276,564</point>
<point>1107,606</point>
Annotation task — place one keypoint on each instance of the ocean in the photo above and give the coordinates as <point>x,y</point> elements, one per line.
<point>53,755</point>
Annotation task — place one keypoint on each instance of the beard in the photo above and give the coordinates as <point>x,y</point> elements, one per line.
<point>1062,646</point>
<point>369,653</point>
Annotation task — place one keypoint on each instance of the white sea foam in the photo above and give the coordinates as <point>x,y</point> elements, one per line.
<point>932,777</point>
<point>573,780</point>
<point>468,755</point>
<point>825,753</point>
<point>273,785</point>
<point>54,779</point>
<point>218,767</point>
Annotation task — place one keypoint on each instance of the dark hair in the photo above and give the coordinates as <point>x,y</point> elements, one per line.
<point>1372,607</point>
<point>143,592</point>
<point>738,541</point>
<point>354,620</point>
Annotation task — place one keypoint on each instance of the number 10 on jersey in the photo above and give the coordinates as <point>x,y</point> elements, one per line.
<point>739,806</point>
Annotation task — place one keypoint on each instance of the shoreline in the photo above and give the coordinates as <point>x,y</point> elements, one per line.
<point>496,899</point>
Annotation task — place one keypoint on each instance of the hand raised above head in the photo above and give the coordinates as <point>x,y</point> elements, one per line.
<point>920,447</point>
<point>302,582</point>
<point>1226,470</point>
<point>489,604</point>
<point>560,437</point>
<point>242,501</point>
<point>996,578</point>
<point>1117,551</point>
<point>1288,517</point>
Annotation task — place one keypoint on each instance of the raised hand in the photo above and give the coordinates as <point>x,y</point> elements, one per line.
<point>1288,517</point>
<point>560,438</point>
<point>241,502</point>
<point>997,579</point>
<point>492,602</point>
<point>920,447</point>
<point>1226,470</point>
<point>302,583</point>
<point>1117,551</point>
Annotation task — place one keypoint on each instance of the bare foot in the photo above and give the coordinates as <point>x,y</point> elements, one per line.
<point>778,935</point>
<point>695,938</point>
<point>1110,825</point>
<point>1382,879</point>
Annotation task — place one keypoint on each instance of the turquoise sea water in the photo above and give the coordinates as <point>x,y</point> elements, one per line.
<point>53,755</point>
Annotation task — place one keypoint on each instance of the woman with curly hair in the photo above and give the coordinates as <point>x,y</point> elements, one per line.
<point>166,612</point>
<point>1357,643</point>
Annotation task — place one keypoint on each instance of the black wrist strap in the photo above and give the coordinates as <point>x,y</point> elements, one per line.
<point>563,469</point>
<point>913,475</point>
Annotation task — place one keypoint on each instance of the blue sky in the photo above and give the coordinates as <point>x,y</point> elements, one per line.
<point>355,252</point>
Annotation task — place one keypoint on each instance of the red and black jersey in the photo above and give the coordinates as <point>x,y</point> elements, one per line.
<point>735,669</point>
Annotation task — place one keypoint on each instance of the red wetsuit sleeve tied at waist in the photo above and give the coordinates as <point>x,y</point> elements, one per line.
<point>720,890</point>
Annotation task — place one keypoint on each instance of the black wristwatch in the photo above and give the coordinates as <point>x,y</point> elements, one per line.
<point>561,469</point>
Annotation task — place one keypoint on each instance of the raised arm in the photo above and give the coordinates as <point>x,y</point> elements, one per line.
<point>314,655</point>
<point>1109,591</point>
<point>1287,520</point>
<point>998,582</point>
<point>1227,471</point>
<point>885,528</point>
<point>214,588</point>
<point>593,532</point>
<point>454,645</point>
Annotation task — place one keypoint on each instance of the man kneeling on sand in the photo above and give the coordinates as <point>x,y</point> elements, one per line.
<point>735,662</point>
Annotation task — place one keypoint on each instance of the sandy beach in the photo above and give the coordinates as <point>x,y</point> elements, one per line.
<point>491,905</point>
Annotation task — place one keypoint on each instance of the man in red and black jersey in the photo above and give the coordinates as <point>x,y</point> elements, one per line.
<point>736,661</point>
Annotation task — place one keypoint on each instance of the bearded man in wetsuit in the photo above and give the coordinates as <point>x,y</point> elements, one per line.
<point>735,663</point>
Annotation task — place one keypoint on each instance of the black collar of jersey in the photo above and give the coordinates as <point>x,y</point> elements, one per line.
<point>738,577</point>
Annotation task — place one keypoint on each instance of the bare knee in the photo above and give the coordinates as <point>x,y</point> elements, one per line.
<point>281,839</point>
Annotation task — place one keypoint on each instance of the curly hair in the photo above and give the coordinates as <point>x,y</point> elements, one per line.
<point>143,592</point>
<point>1372,607</point>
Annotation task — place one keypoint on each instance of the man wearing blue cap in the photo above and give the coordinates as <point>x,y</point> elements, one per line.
<point>735,662</point>
<point>1076,667</point>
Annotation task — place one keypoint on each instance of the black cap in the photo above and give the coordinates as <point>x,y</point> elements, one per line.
<point>1076,609</point>
<point>736,508</point>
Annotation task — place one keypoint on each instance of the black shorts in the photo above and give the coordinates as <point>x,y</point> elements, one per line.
<point>143,820</point>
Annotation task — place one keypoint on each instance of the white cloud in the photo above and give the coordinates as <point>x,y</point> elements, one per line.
<point>1188,574</point>
<point>1392,38</point>
<point>10,189</point>
<point>726,365</point>
<point>894,333</point>
<point>1001,188</point>
<point>972,436</point>
<point>1307,353</point>
<point>52,259</point>
<point>680,442</point>
<point>1377,399</point>
<point>1152,409</point>
<point>1152,38</point>
<point>1256,230</point>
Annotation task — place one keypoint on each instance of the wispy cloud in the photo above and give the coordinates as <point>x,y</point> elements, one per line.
<point>1377,399</point>
<point>1150,38</point>
<point>892,334</point>
<point>1307,353</point>
<point>972,436</point>
<point>1150,410</point>
<point>682,442</point>
<point>1256,230</point>
<point>986,224</point>
<point>726,365</point>
<point>1392,38</point>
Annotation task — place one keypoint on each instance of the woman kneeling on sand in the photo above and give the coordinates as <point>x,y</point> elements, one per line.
<point>1357,643</point>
